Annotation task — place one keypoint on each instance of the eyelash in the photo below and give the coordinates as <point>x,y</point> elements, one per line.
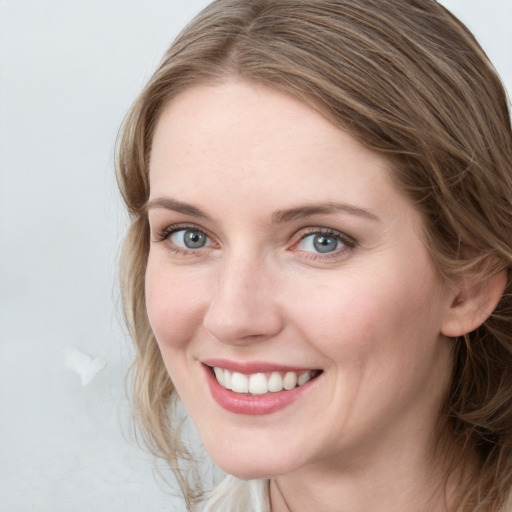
<point>166,234</point>
<point>347,242</point>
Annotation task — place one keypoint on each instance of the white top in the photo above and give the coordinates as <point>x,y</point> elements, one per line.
<point>235,495</point>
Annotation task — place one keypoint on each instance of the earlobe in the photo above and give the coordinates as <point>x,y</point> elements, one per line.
<point>473,304</point>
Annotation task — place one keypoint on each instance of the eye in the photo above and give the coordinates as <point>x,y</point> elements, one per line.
<point>189,238</point>
<point>186,240</point>
<point>318,242</point>
<point>324,242</point>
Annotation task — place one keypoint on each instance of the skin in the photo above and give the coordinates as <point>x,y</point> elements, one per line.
<point>371,314</point>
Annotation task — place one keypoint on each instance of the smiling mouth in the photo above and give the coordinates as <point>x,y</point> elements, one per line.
<point>263,383</point>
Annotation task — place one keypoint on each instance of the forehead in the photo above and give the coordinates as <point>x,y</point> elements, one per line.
<point>236,136</point>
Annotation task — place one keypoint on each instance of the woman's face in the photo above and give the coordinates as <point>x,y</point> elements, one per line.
<point>282,252</point>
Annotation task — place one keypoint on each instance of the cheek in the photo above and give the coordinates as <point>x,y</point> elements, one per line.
<point>175,305</point>
<point>370,312</point>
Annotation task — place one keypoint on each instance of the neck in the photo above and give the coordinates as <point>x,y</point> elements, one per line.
<point>402,481</point>
<point>351,495</point>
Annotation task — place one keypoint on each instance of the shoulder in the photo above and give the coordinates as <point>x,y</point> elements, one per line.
<point>233,495</point>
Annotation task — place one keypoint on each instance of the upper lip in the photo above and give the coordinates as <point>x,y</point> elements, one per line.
<point>250,367</point>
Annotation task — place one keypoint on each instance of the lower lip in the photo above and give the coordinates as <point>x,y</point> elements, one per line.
<point>253,405</point>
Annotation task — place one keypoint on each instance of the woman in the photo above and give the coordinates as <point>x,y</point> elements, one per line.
<point>319,257</point>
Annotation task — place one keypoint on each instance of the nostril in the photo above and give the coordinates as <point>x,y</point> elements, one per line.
<point>245,328</point>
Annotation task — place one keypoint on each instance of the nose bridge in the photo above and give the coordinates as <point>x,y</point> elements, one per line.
<point>242,307</point>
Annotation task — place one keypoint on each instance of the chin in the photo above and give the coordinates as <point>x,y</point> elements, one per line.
<point>247,465</point>
<point>246,471</point>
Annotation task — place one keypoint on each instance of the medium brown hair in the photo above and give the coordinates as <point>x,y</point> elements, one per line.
<point>407,79</point>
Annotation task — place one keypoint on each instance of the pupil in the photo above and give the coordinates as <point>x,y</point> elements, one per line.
<point>193,239</point>
<point>325,243</point>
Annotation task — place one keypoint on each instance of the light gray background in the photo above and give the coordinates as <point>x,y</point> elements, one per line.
<point>68,73</point>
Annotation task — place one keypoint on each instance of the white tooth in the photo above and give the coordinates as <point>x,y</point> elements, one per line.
<point>239,383</point>
<point>303,378</point>
<point>275,382</point>
<point>219,373</point>
<point>258,384</point>
<point>227,379</point>
<point>290,380</point>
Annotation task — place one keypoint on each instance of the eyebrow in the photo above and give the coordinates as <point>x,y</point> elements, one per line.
<point>279,216</point>
<point>177,206</point>
<point>331,207</point>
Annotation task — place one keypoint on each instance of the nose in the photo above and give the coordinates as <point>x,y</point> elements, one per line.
<point>244,307</point>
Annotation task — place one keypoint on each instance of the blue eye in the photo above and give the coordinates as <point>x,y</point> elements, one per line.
<point>324,242</point>
<point>189,239</point>
<point>319,242</point>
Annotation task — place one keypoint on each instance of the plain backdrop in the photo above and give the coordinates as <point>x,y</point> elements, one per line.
<point>68,73</point>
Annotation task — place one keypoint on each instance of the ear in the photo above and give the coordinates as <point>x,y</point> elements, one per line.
<point>473,304</point>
